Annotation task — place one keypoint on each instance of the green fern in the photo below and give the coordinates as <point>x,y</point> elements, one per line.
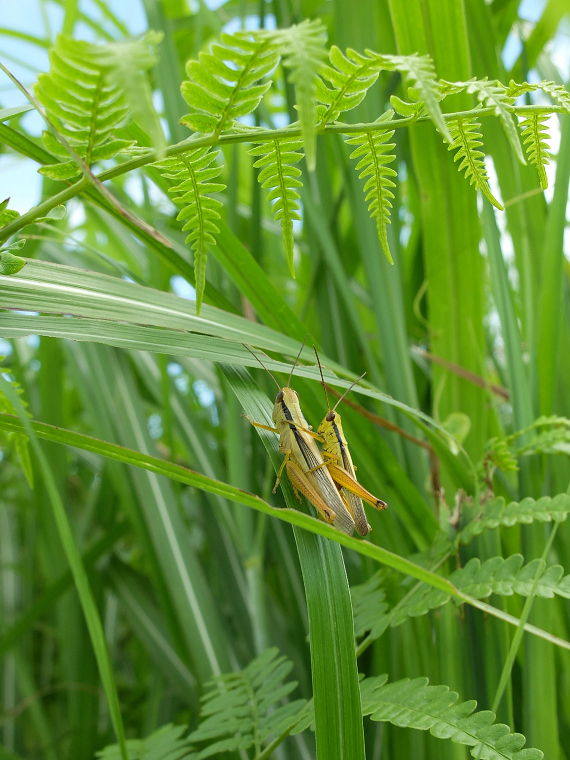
<point>420,71</point>
<point>497,513</point>
<point>20,440</point>
<point>239,711</point>
<point>193,174</point>
<point>498,454</point>
<point>166,743</point>
<point>303,51</point>
<point>495,95</point>
<point>374,153</point>
<point>534,128</point>
<point>277,159</point>
<point>350,77</point>
<point>498,575</point>
<point>556,91</point>
<point>415,704</point>
<point>222,84</point>
<point>127,62</point>
<point>369,608</point>
<point>83,104</point>
<point>466,141</point>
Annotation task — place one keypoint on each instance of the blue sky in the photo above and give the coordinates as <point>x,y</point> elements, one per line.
<point>18,177</point>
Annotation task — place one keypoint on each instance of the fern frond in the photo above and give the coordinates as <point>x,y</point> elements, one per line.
<point>222,82</point>
<point>466,141</point>
<point>498,575</point>
<point>303,51</point>
<point>84,105</point>
<point>415,704</point>
<point>420,71</point>
<point>350,77</point>
<point>556,91</point>
<point>495,95</point>
<point>277,159</point>
<point>128,61</point>
<point>166,743</point>
<point>374,153</point>
<point>534,128</point>
<point>369,608</point>
<point>20,440</point>
<point>496,513</point>
<point>193,174</point>
<point>235,712</point>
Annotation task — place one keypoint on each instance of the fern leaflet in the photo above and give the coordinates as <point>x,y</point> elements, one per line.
<point>302,47</point>
<point>83,104</point>
<point>415,704</point>
<point>369,608</point>
<point>419,70</point>
<point>166,743</point>
<point>350,77</point>
<point>277,159</point>
<point>374,153</point>
<point>497,575</point>
<point>534,128</point>
<point>222,84</point>
<point>496,513</point>
<point>466,141</point>
<point>20,440</point>
<point>495,95</point>
<point>235,712</point>
<point>556,91</point>
<point>193,175</point>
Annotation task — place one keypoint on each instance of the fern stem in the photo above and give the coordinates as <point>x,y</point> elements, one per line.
<point>94,115</point>
<point>382,211</point>
<point>475,171</point>
<point>199,254</point>
<point>245,137</point>
<point>268,751</point>
<point>286,223</point>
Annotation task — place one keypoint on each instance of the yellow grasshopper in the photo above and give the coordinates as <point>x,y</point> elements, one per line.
<point>339,462</point>
<point>305,467</point>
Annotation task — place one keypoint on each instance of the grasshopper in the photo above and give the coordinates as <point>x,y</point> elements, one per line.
<point>305,467</point>
<point>339,462</point>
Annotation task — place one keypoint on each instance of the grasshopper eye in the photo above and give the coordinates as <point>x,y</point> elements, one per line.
<point>296,394</point>
<point>330,417</point>
<point>279,397</point>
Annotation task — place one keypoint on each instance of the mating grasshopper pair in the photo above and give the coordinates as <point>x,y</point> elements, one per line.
<point>327,480</point>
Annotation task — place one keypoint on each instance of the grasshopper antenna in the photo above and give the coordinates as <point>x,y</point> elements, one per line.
<point>296,360</point>
<point>263,365</point>
<point>348,389</point>
<point>323,379</point>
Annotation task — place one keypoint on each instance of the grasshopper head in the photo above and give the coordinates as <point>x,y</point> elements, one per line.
<point>326,428</point>
<point>289,399</point>
<point>289,396</point>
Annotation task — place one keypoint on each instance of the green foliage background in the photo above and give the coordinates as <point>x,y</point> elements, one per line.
<point>143,554</point>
